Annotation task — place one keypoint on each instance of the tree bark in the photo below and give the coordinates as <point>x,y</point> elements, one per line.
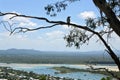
<point>114,24</point>
<point>111,17</point>
<point>110,51</point>
<point>55,23</point>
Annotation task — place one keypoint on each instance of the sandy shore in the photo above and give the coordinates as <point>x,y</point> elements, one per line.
<point>24,65</point>
<point>112,68</point>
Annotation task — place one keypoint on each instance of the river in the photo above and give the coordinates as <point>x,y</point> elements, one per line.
<point>46,69</point>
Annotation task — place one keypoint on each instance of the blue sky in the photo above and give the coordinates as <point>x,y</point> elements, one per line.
<point>48,39</point>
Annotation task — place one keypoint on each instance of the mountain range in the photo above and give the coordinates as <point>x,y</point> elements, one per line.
<point>54,57</point>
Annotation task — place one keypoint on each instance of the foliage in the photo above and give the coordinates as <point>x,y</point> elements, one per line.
<point>64,69</point>
<point>115,5</point>
<point>76,37</point>
<point>12,74</point>
<point>107,78</point>
<point>107,22</point>
<point>51,9</point>
<point>29,56</point>
<point>42,77</point>
<point>92,23</point>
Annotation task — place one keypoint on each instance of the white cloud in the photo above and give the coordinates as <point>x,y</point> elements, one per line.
<point>20,21</point>
<point>55,34</point>
<point>27,24</point>
<point>6,35</point>
<point>40,38</point>
<point>87,14</point>
<point>65,27</point>
<point>48,41</point>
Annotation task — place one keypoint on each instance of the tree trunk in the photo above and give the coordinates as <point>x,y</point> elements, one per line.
<point>112,18</point>
<point>110,51</point>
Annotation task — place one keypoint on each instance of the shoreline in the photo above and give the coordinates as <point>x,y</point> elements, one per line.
<point>83,66</point>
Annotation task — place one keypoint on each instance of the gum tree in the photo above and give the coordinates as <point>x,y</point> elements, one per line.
<point>109,18</point>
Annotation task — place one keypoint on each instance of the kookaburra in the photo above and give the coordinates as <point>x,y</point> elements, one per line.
<point>68,20</point>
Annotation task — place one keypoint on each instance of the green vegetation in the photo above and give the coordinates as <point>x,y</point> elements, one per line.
<point>107,78</point>
<point>33,56</point>
<point>11,74</point>
<point>64,69</point>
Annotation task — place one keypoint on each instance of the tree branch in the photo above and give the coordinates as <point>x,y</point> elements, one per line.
<point>111,16</point>
<point>45,19</point>
<point>24,29</point>
<point>104,69</point>
<point>33,17</point>
<point>55,23</point>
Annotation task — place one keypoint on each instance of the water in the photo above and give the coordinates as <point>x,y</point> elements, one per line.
<point>46,69</point>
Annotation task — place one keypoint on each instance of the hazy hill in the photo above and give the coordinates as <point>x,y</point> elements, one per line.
<point>34,56</point>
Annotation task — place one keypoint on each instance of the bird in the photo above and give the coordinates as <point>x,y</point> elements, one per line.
<point>68,20</point>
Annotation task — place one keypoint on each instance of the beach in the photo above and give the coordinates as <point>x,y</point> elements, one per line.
<point>83,66</point>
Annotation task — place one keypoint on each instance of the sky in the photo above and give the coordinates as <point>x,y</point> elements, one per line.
<point>48,39</point>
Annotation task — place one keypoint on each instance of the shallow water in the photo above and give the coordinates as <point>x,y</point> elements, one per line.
<point>46,69</point>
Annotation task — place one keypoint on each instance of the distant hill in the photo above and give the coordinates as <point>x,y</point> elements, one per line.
<point>35,56</point>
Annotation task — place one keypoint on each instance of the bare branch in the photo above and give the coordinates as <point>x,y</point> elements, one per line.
<point>9,25</point>
<point>45,19</point>
<point>55,23</point>
<point>3,22</point>
<point>33,17</point>
<point>24,29</point>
